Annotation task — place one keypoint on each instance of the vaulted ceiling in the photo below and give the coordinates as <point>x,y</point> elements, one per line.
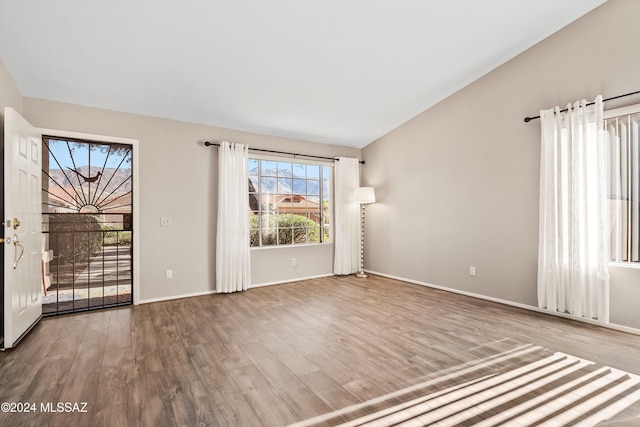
<point>341,72</point>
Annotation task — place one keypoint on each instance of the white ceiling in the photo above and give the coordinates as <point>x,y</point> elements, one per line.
<point>341,72</point>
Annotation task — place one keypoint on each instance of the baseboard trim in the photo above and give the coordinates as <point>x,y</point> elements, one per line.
<point>613,326</point>
<point>297,279</point>
<point>195,294</point>
<point>258,285</point>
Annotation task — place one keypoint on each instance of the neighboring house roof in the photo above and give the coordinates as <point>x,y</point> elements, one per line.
<point>60,197</point>
<point>291,201</point>
<point>68,199</point>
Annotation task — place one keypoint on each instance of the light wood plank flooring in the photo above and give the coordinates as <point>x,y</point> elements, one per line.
<point>323,352</point>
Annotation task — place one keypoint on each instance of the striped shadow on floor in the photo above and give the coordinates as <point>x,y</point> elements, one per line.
<point>525,386</point>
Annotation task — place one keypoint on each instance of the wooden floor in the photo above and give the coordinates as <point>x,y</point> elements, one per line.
<point>322,352</point>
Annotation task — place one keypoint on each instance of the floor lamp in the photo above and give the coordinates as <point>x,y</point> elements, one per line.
<point>364,196</point>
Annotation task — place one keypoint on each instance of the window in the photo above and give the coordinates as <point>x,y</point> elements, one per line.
<point>623,146</point>
<point>289,202</point>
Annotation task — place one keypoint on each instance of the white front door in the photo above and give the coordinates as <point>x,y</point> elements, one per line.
<point>22,227</point>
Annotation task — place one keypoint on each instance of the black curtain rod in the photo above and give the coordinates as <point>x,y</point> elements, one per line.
<point>528,119</point>
<point>207,143</point>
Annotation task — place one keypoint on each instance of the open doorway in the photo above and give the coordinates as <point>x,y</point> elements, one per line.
<point>87,206</point>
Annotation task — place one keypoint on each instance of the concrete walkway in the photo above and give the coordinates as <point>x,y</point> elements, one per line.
<point>108,274</point>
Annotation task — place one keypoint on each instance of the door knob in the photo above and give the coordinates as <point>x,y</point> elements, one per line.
<point>16,223</point>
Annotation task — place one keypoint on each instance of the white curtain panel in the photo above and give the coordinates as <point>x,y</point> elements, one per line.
<point>573,275</point>
<point>347,217</point>
<point>233,266</point>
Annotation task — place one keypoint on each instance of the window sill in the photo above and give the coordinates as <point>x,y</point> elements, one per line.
<point>634,265</point>
<point>261,248</point>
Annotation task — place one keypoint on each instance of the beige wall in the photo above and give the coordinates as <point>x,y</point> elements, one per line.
<point>178,179</point>
<point>458,184</point>
<point>9,94</point>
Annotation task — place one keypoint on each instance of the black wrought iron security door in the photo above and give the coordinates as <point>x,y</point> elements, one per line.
<point>87,207</point>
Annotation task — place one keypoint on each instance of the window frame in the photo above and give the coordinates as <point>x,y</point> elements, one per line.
<point>323,213</point>
<point>608,115</point>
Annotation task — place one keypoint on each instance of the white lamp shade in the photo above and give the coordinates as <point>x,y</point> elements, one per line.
<point>364,195</point>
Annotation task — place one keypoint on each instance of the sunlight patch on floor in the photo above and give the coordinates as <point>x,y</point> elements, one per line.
<point>528,385</point>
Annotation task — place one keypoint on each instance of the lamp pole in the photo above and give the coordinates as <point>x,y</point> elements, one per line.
<point>363,195</point>
<point>361,274</point>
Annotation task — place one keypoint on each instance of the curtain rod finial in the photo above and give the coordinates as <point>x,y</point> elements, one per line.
<point>527,119</point>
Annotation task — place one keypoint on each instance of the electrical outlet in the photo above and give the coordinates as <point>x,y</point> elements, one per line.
<point>472,271</point>
<point>169,274</point>
<point>166,221</point>
<point>293,261</point>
